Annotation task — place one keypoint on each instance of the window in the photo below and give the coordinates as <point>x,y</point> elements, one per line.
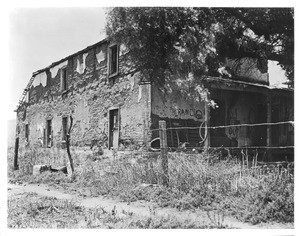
<point>113,60</point>
<point>64,128</point>
<point>64,85</point>
<point>27,133</point>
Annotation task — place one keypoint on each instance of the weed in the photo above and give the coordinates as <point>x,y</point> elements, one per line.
<point>253,194</point>
<point>33,211</point>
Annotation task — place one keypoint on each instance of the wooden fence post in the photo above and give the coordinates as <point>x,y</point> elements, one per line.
<point>68,149</point>
<point>164,152</point>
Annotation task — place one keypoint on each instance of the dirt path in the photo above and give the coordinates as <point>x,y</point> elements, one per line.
<point>139,208</point>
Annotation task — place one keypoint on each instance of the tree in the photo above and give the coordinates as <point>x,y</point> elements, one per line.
<point>171,44</point>
<point>260,33</point>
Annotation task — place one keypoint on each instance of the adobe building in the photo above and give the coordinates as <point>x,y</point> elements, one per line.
<point>115,108</point>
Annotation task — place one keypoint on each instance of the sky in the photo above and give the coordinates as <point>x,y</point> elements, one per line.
<point>40,36</point>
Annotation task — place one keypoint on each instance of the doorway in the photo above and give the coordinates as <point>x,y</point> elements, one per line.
<point>49,133</point>
<point>114,120</point>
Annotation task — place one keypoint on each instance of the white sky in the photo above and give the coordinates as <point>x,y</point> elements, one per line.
<point>40,36</point>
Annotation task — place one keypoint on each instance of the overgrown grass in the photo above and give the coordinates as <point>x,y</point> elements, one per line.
<point>33,211</point>
<point>195,181</point>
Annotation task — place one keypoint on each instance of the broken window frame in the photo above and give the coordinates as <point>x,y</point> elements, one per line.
<point>113,60</point>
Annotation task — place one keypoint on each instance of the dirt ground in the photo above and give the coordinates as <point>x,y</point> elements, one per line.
<point>139,208</point>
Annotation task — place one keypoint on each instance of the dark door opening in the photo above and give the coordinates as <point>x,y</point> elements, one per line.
<point>114,128</point>
<point>49,133</point>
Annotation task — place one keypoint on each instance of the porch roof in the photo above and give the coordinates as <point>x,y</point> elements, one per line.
<point>237,85</point>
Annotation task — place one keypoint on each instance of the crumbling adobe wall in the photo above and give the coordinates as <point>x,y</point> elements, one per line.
<point>175,106</point>
<point>178,111</point>
<point>89,95</point>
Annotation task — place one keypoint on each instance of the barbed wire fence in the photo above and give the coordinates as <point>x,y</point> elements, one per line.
<point>203,145</point>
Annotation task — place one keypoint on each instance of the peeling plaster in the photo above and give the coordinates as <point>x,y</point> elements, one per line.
<point>81,66</point>
<point>140,93</point>
<point>40,79</point>
<point>40,128</point>
<point>123,49</point>
<point>55,69</point>
<point>176,107</point>
<point>100,56</point>
<point>27,97</point>
<point>81,113</point>
<point>131,80</point>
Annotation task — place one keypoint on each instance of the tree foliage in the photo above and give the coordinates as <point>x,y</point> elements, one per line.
<point>260,33</point>
<point>167,44</point>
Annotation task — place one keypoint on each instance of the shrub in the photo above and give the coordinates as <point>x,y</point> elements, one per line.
<point>270,201</point>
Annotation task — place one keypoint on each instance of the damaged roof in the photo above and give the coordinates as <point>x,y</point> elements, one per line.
<point>231,82</point>
<point>70,56</point>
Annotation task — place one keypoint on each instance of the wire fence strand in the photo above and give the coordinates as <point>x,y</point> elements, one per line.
<point>236,125</point>
<point>244,147</point>
<point>200,127</point>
